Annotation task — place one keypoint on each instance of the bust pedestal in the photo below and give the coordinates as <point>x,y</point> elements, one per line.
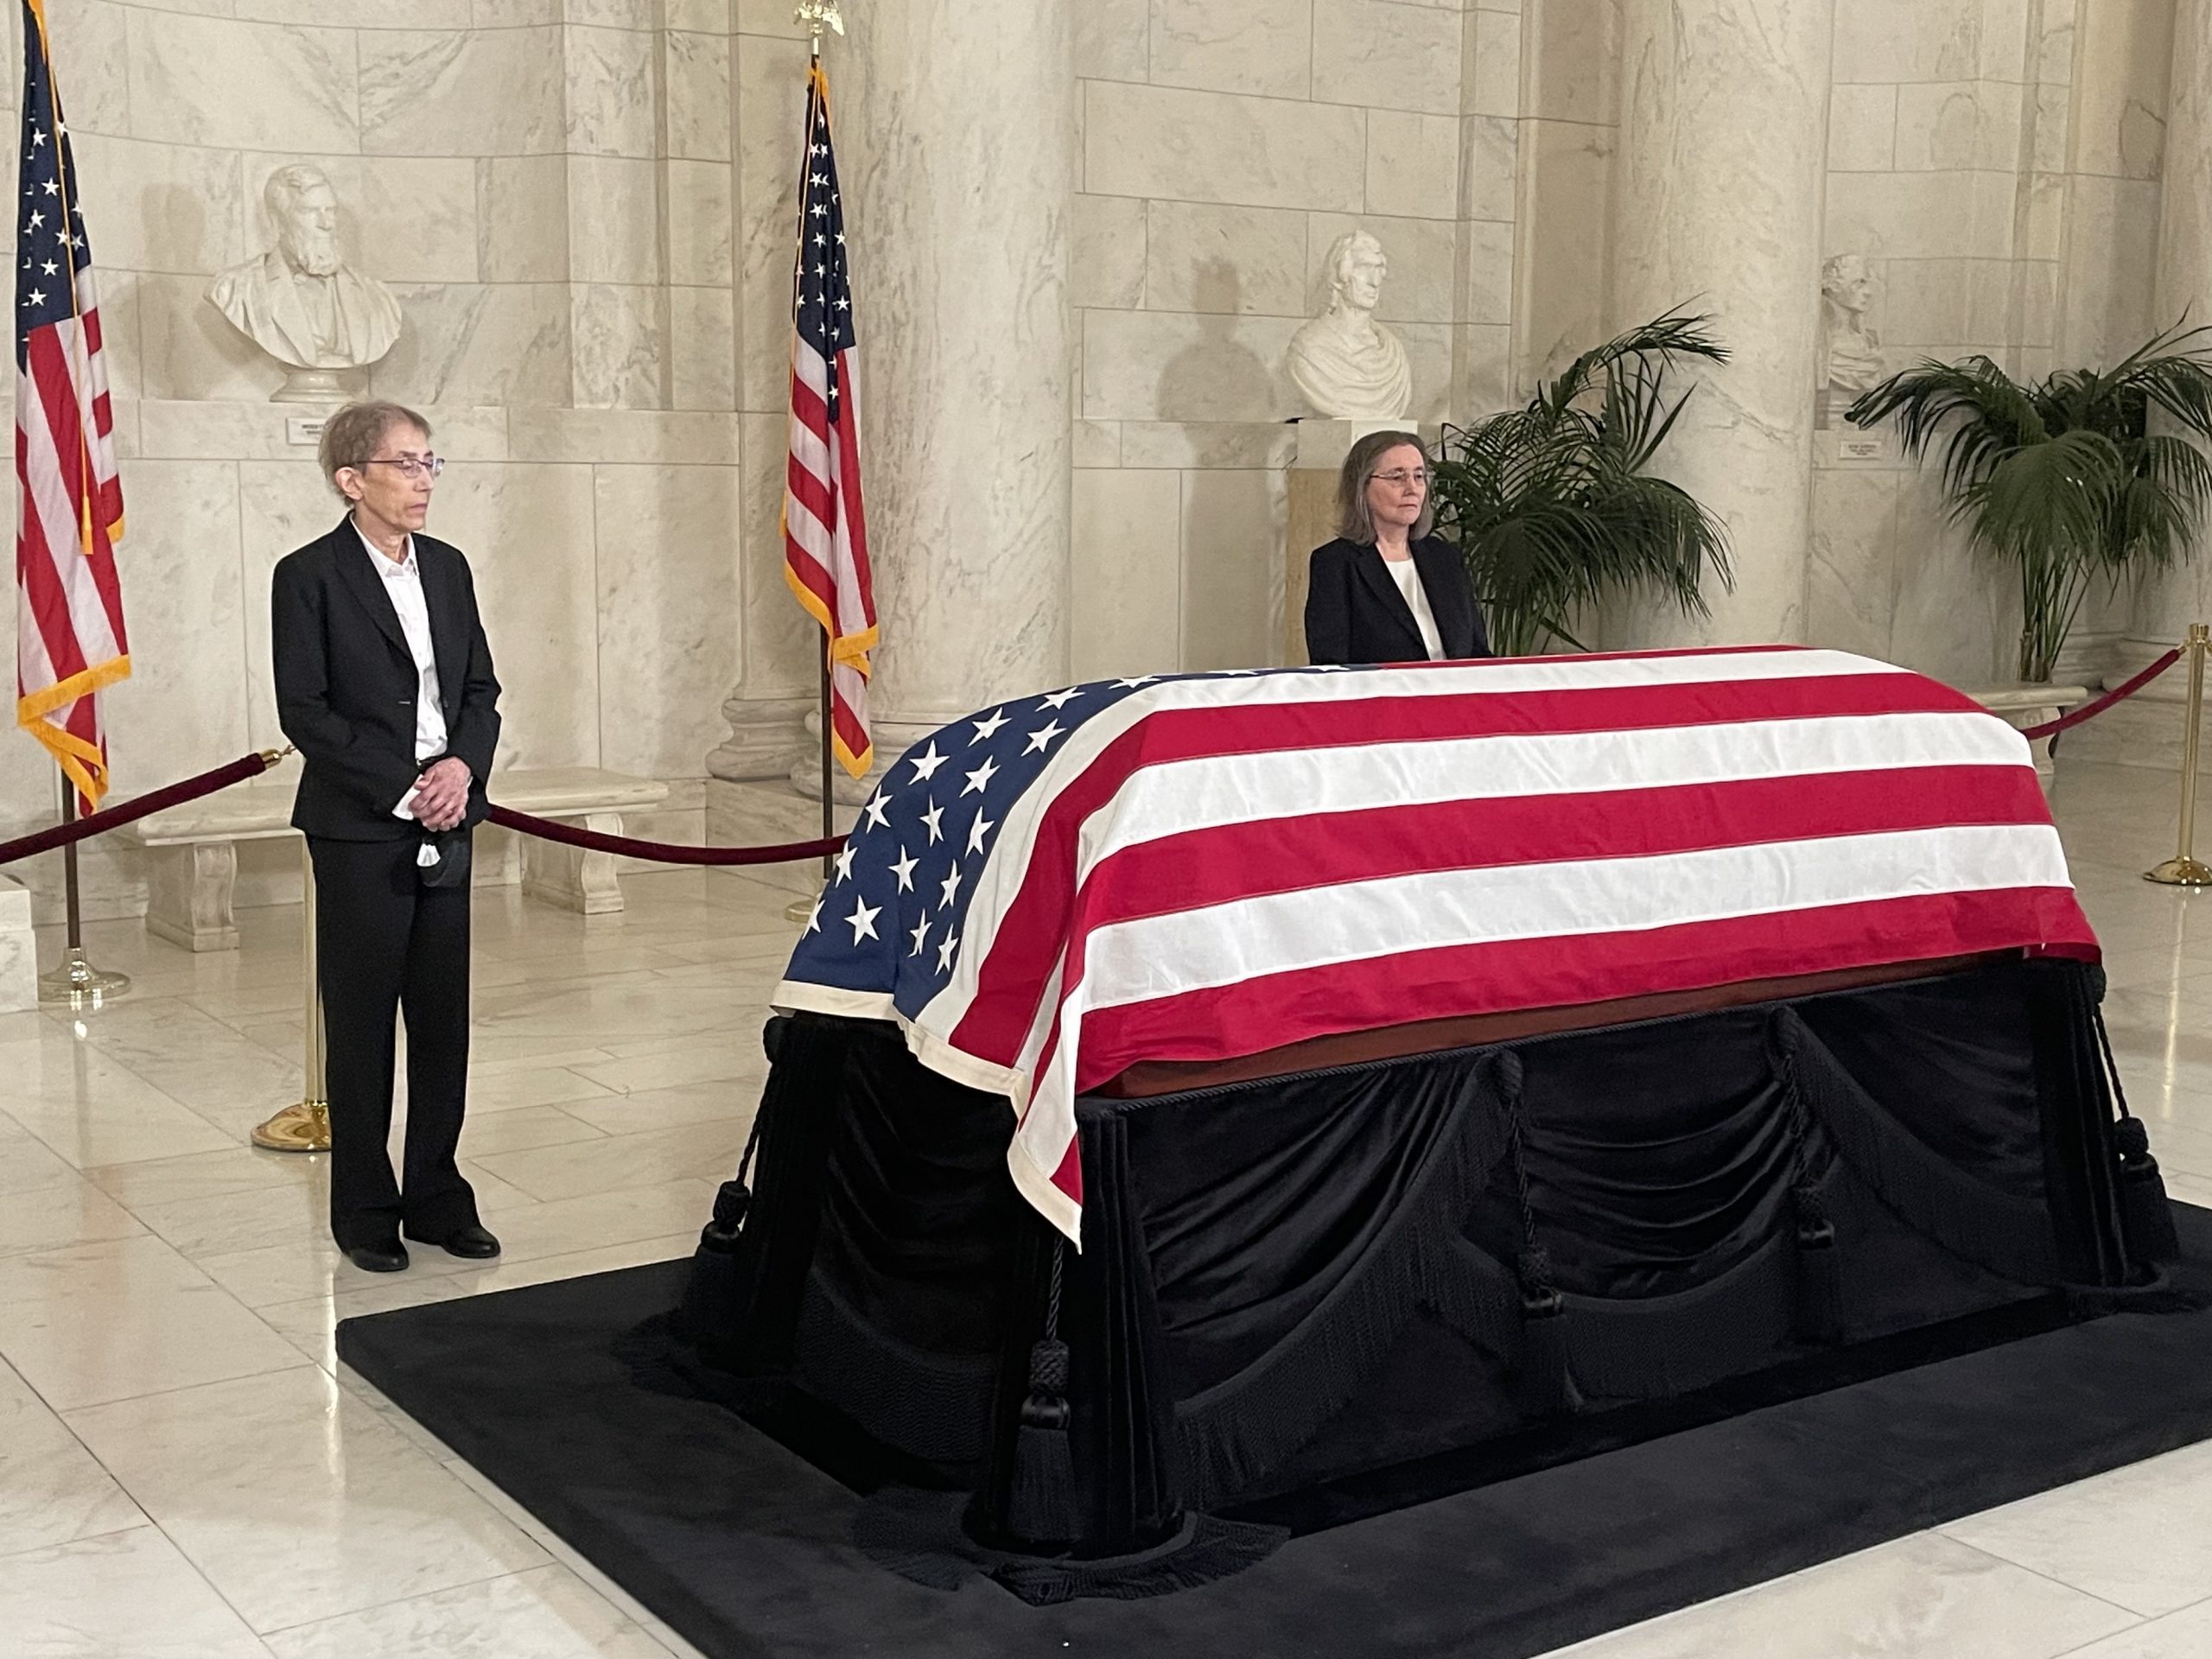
<point>1322,446</point>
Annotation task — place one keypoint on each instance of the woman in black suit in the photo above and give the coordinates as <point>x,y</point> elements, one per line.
<point>385,681</point>
<point>1385,590</point>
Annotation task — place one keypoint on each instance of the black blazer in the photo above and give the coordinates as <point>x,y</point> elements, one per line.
<point>1355,613</point>
<point>345,683</point>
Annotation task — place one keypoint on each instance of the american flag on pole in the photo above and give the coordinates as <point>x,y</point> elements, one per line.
<point>1203,866</point>
<point>825,531</point>
<point>69,639</point>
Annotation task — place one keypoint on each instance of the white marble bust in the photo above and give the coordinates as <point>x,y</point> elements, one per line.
<point>299,302</point>
<point>1349,366</point>
<point>1850,351</point>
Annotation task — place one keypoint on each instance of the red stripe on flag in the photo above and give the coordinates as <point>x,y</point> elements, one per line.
<point>1224,863</point>
<point>1272,1010</point>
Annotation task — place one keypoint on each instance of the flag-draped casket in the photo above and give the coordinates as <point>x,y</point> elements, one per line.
<point>1193,1090</point>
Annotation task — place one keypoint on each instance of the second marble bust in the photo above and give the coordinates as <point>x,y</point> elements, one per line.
<point>1349,366</point>
<point>299,302</point>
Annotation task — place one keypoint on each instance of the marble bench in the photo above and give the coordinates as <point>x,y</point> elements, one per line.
<point>2026,702</point>
<point>192,851</point>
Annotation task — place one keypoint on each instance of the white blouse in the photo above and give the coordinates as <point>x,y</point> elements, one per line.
<point>1407,575</point>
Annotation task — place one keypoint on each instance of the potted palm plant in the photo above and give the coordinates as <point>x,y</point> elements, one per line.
<point>1551,506</point>
<point>2064,479</point>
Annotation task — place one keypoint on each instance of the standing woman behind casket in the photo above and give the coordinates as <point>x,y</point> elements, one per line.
<point>1387,590</point>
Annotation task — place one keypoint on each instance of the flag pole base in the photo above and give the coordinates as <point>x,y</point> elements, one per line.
<point>79,984</point>
<point>2181,873</point>
<point>302,1128</point>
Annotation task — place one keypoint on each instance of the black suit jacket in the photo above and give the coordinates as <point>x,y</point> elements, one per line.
<point>345,683</point>
<point>1355,613</point>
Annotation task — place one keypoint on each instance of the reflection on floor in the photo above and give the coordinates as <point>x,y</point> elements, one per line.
<point>183,1472</point>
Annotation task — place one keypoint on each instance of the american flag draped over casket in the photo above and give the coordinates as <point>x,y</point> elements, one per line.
<point>1201,867</point>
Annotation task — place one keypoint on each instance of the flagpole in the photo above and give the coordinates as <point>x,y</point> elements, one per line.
<point>817,15</point>
<point>76,982</point>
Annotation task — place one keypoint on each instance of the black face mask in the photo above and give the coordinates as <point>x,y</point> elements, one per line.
<point>451,869</point>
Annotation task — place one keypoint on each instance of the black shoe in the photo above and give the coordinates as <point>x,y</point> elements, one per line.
<point>471,1243</point>
<point>379,1258</point>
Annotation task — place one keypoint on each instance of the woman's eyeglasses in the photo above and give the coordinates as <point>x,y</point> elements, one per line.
<point>412,467</point>
<point>1398,481</point>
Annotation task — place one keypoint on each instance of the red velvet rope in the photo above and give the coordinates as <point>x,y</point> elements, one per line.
<point>2091,711</point>
<point>114,817</point>
<point>661,852</point>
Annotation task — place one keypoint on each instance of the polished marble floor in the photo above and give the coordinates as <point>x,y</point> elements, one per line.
<point>185,1473</point>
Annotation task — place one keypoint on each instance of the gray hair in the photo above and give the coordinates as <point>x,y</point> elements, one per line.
<point>352,436</point>
<point>1355,521</point>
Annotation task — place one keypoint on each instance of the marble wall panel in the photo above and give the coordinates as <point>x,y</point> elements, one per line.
<point>1424,263</point>
<point>1179,446</point>
<point>522,219</point>
<point>613,100</point>
<point>1485,273</point>
<point>1233,525</point>
<point>1921,215</point>
<point>91,57</point>
<point>607,437</point>
<point>1560,284</point>
<point>1957,125</point>
<point>188,351</point>
<point>1923,302</point>
<point>1112,38</point>
<point>514,14</point>
<point>1140,365</point>
<point>1386,55</point>
<point>780,637</point>
<point>1107,252</point>
<point>1957,617</point>
<point>202,431</point>
<point>186,75</point>
<point>699,223</point>
<point>1490,167</point>
<point>339,14</point>
<point>1482,370</point>
<point>2120,83</point>
<point>769,71</point>
<point>1413,167</point>
<point>773,17</point>
<point>613,14</point>
<point>121,333</point>
<point>156,207</point>
<point>703,348</point>
<point>1193,146</point>
<point>620,346</point>
<point>184,706</point>
<point>528,533</point>
<point>400,219</point>
<point>489,91</point>
<point>699,17</point>
<point>1233,46</point>
<point>1429,349</point>
<point>1199,257</point>
<point>669,632</point>
<point>478,343</point>
<point>1862,129</point>
<point>1125,574</point>
<point>697,67</point>
<point>2056,42</point>
<point>614,226</point>
<point>1908,39</point>
<point>1574,59</point>
<point>1097,443</point>
<point>1493,86</point>
<point>283,505</point>
<point>2105,290</point>
<point>1851,580</point>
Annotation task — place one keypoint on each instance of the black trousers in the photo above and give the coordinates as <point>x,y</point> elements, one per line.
<point>386,944</point>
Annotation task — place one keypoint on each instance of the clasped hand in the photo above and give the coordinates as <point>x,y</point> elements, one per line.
<point>441,795</point>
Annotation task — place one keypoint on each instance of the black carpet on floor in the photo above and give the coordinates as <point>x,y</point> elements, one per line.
<point>745,1547</point>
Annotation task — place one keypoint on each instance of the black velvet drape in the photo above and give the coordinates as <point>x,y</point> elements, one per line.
<point>1286,1280</point>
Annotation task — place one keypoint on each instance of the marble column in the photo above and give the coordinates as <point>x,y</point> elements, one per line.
<point>2167,604</point>
<point>1718,192</point>
<point>957,133</point>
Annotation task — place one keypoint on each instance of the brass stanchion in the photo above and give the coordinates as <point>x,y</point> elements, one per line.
<point>304,1126</point>
<point>2184,869</point>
